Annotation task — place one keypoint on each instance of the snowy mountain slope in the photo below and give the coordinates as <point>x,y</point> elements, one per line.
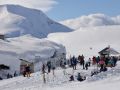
<point>92,20</point>
<point>17,20</point>
<point>88,41</point>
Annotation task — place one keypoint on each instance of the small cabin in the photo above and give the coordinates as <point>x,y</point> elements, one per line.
<point>2,36</point>
<point>24,63</point>
<point>108,51</point>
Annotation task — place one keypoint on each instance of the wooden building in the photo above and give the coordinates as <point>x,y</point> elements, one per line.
<point>108,51</point>
<point>2,36</point>
<point>23,65</point>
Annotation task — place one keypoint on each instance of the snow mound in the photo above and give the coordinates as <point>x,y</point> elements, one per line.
<point>17,20</point>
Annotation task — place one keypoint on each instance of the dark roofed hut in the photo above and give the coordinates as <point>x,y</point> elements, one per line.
<point>24,63</point>
<point>108,51</point>
<point>2,36</point>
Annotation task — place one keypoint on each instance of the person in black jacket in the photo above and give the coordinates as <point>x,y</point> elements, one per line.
<point>80,78</point>
<point>28,71</point>
<point>71,78</point>
<point>86,65</point>
<point>49,66</point>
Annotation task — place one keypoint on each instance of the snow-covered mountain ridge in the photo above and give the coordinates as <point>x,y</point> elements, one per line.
<point>18,20</point>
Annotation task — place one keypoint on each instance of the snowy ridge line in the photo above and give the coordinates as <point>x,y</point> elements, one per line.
<point>17,20</point>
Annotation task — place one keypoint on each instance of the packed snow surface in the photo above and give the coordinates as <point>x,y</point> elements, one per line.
<point>109,79</point>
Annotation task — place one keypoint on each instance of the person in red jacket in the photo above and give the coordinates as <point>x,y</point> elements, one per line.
<point>102,62</point>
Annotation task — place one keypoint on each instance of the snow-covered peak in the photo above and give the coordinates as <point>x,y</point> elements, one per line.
<point>17,20</point>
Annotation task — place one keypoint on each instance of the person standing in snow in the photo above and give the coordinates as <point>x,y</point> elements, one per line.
<point>97,59</point>
<point>71,62</point>
<point>43,72</point>
<point>111,62</point>
<point>49,66</point>
<point>28,71</point>
<point>1,78</point>
<point>15,74</point>
<point>114,60</point>
<point>74,62</point>
<point>8,76</point>
<point>43,68</point>
<point>94,60</point>
<point>83,61</point>
<point>79,59</point>
<point>89,62</point>
<point>86,65</point>
<point>101,62</point>
<point>24,73</point>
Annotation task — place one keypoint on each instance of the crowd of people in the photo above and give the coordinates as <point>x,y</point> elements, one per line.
<point>101,62</point>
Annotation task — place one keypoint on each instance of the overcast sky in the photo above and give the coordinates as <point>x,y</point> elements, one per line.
<point>65,9</point>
